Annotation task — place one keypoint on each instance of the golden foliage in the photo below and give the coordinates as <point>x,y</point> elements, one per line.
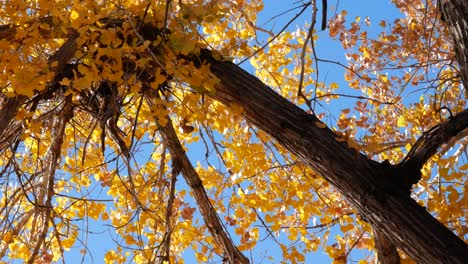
<point>113,168</point>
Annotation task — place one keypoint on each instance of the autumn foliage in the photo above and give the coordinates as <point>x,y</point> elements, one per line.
<point>110,124</point>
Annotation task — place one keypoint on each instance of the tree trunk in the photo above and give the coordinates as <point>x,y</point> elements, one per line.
<point>386,251</point>
<point>375,190</point>
<point>455,13</point>
<point>365,183</point>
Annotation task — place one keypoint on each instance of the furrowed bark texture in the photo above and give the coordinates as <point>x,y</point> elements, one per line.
<point>455,14</point>
<point>387,253</point>
<point>8,110</point>
<point>361,180</point>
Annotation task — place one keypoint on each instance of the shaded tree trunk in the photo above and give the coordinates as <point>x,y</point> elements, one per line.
<point>455,14</point>
<point>387,253</point>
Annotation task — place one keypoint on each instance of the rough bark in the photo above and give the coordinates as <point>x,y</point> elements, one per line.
<point>387,252</point>
<point>455,14</point>
<point>8,110</point>
<point>424,148</point>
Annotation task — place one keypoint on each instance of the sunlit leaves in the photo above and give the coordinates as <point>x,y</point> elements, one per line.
<point>260,192</point>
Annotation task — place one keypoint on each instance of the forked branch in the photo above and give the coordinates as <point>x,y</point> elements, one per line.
<point>429,143</point>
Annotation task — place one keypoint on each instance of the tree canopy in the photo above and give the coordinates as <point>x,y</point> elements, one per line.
<point>136,119</point>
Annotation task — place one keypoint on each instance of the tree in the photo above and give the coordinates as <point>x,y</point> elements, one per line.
<point>89,87</point>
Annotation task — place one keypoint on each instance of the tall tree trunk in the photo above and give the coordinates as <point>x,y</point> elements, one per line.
<point>367,184</point>
<point>377,190</point>
<point>455,14</point>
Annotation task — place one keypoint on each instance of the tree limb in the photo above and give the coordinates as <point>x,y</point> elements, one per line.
<point>428,144</point>
<point>8,109</point>
<point>47,182</point>
<point>358,178</point>
<point>209,214</point>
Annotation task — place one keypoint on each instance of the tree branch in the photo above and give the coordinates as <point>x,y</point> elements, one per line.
<point>209,214</point>
<point>428,144</point>
<point>8,108</point>
<point>47,182</point>
<point>166,247</point>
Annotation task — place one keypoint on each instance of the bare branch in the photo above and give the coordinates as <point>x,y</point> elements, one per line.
<point>277,35</point>
<point>170,202</point>
<point>324,14</point>
<point>210,216</point>
<point>354,96</point>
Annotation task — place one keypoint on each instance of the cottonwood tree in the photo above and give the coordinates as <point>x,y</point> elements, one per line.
<point>101,100</point>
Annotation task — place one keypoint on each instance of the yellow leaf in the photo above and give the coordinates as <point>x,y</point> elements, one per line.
<point>453,194</point>
<point>401,122</point>
<point>334,85</point>
<point>384,78</point>
<point>129,240</point>
<point>408,146</point>
<point>68,243</point>
<point>7,237</point>
<point>65,82</point>
<point>110,256</point>
<point>23,251</point>
<point>464,167</point>
<point>365,53</point>
<point>74,15</point>
<point>299,194</point>
<point>443,172</point>
<point>346,228</point>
